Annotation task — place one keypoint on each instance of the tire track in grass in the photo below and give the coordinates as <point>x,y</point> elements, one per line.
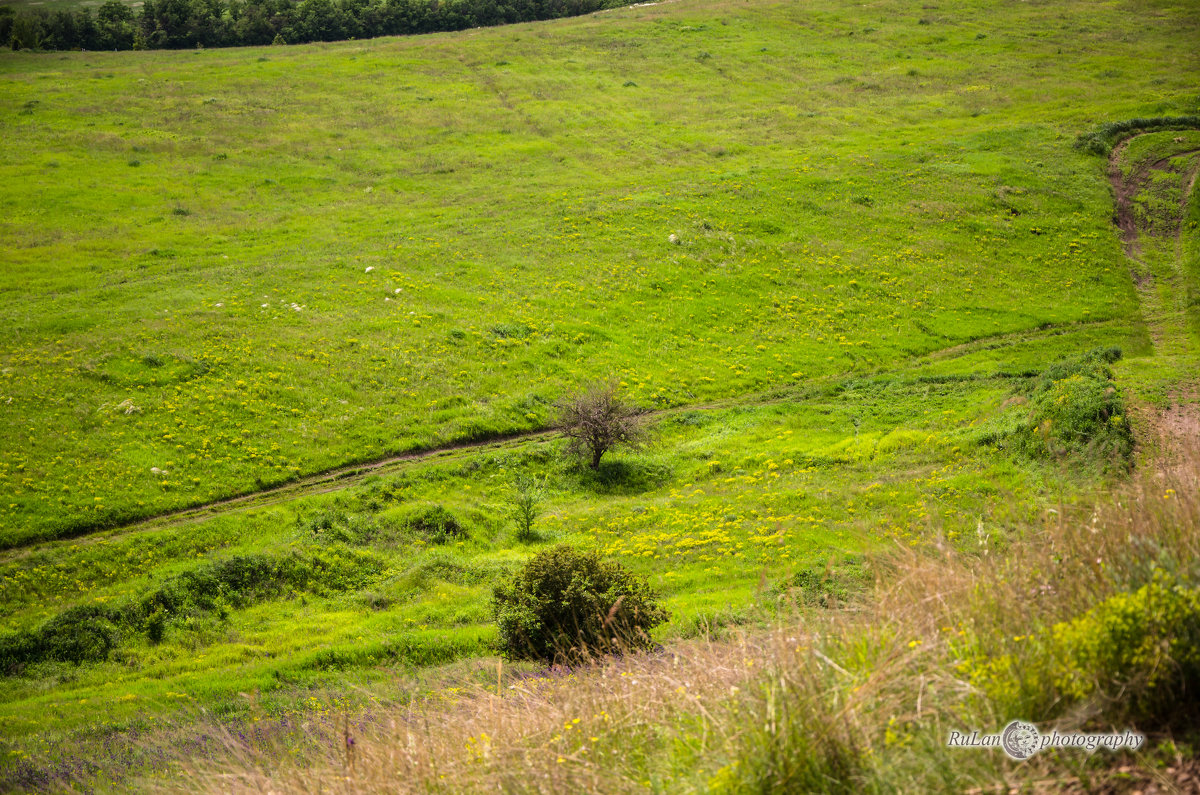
<point>1158,275</point>
<point>1172,430</point>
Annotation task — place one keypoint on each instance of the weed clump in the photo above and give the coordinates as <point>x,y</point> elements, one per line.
<point>434,523</point>
<point>331,526</point>
<point>567,605</point>
<point>1075,411</point>
<point>828,586</point>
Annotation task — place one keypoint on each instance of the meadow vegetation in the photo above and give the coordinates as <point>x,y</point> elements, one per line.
<point>847,263</point>
<point>1092,624</point>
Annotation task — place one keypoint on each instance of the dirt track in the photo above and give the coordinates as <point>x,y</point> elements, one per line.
<point>1173,431</point>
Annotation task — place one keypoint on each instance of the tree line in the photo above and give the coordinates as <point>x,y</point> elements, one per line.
<point>179,24</point>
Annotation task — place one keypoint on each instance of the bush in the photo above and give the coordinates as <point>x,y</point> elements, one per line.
<point>1136,655</point>
<point>156,627</point>
<point>1075,410</point>
<point>80,634</point>
<point>17,650</point>
<point>566,605</point>
<point>525,504</point>
<point>434,523</point>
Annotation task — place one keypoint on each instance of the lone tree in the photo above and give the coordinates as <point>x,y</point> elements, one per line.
<point>595,420</point>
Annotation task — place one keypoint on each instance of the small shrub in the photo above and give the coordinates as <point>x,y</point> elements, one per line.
<point>525,505</point>
<point>1136,655</point>
<point>17,650</point>
<point>434,523</point>
<point>156,627</point>
<point>570,605</point>
<point>1074,411</point>
<point>80,634</point>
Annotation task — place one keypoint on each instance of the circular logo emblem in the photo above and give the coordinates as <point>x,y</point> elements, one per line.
<point>1020,739</point>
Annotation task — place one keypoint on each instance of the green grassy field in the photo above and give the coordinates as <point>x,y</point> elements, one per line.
<point>226,270</point>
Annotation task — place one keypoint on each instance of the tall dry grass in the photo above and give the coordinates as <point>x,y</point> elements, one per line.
<point>828,700</point>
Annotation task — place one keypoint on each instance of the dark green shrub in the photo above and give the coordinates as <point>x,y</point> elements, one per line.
<point>1074,411</point>
<point>156,627</point>
<point>17,650</point>
<point>434,523</point>
<point>80,634</point>
<point>564,604</point>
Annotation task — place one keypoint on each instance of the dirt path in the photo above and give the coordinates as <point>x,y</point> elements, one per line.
<point>1126,189</point>
<point>1158,274</point>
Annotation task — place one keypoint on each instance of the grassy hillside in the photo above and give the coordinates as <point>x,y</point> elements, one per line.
<point>189,236</point>
<point>834,247</point>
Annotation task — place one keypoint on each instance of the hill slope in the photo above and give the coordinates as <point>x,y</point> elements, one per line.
<point>836,247</point>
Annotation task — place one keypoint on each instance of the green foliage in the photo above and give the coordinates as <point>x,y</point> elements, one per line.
<point>1136,656</point>
<point>175,24</point>
<point>1101,141</point>
<point>90,632</point>
<point>156,627</point>
<point>433,523</point>
<point>86,633</point>
<point>82,634</point>
<point>1075,410</point>
<point>525,504</point>
<point>570,605</point>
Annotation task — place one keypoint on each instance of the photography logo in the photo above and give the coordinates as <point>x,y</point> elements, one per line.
<point>1021,740</point>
